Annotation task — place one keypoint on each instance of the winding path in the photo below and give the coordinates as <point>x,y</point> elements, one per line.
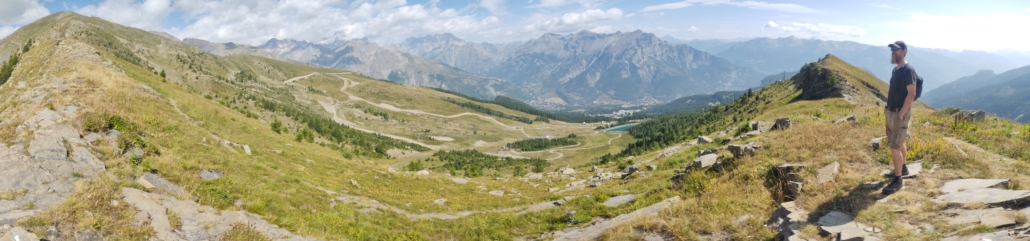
<point>331,108</point>
<point>351,83</point>
<point>294,79</point>
<point>348,83</point>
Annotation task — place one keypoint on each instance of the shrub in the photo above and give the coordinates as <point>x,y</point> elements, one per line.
<point>277,126</point>
<point>948,111</point>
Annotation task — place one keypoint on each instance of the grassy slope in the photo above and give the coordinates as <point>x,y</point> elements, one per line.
<point>273,185</point>
<point>714,207</point>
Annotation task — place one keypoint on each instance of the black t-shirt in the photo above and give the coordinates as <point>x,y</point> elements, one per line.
<point>900,79</point>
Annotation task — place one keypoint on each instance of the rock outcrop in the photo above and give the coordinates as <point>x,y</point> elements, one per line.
<point>44,166</point>
<point>969,115</point>
<point>740,151</point>
<point>782,124</point>
<point>789,182</point>
<point>197,222</point>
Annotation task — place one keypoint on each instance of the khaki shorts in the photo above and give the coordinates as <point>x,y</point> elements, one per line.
<point>897,130</point>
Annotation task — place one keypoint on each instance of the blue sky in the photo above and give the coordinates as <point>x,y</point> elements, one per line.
<point>957,25</point>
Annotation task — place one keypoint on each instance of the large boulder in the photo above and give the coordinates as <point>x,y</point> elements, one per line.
<point>566,171</point>
<point>706,161</point>
<point>761,126</point>
<point>782,124</point>
<point>789,176</point>
<point>877,143</point>
<point>703,140</point>
<point>743,150</point>
<point>969,115</point>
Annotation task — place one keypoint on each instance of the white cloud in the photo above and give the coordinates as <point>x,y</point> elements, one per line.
<point>693,29</point>
<point>495,7</point>
<point>6,30</point>
<point>988,32</point>
<point>653,15</point>
<point>882,6</point>
<point>782,7</point>
<point>816,30</point>
<point>559,3</point>
<point>17,12</point>
<point>575,21</point>
<point>256,21</point>
<point>148,15</point>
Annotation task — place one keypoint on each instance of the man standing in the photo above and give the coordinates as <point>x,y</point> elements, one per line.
<point>898,112</point>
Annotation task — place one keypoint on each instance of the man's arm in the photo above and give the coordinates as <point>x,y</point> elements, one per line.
<point>908,100</point>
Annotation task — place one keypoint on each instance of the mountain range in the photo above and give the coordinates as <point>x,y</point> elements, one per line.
<point>1003,94</point>
<point>580,69</point>
<point>590,69</point>
<point>785,54</point>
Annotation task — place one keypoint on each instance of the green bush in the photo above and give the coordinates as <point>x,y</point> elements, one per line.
<point>472,162</point>
<point>277,126</point>
<point>950,110</point>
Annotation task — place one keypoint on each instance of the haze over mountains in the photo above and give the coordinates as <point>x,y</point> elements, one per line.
<point>1003,94</point>
<point>589,69</point>
<point>579,69</point>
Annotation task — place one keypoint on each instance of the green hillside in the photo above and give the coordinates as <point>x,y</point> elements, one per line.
<point>288,137</point>
<point>133,136</point>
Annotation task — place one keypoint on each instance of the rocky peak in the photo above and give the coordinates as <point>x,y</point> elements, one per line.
<point>818,81</point>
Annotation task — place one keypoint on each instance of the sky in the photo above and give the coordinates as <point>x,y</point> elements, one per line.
<point>957,25</point>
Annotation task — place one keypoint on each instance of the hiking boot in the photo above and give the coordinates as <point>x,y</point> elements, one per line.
<point>904,170</point>
<point>894,186</point>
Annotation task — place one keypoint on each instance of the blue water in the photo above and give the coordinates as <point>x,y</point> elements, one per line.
<point>621,128</point>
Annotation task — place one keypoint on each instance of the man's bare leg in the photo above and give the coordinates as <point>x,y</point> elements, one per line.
<point>899,159</point>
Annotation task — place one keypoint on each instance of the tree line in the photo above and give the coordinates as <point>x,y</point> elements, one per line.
<point>537,144</point>
<point>7,68</point>
<point>516,105</point>
<point>671,129</point>
<point>473,162</point>
<point>488,111</point>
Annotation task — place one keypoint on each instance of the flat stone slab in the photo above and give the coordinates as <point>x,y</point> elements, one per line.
<point>151,181</point>
<point>18,233</point>
<point>619,200</point>
<point>209,175</point>
<point>827,173</point>
<point>459,180</point>
<point>968,184</point>
<point>595,231</point>
<point>706,161</point>
<point>998,218</point>
<point>989,196</point>
<point>913,170</point>
<point>961,217</point>
<point>837,222</point>
<point>198,222</point>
